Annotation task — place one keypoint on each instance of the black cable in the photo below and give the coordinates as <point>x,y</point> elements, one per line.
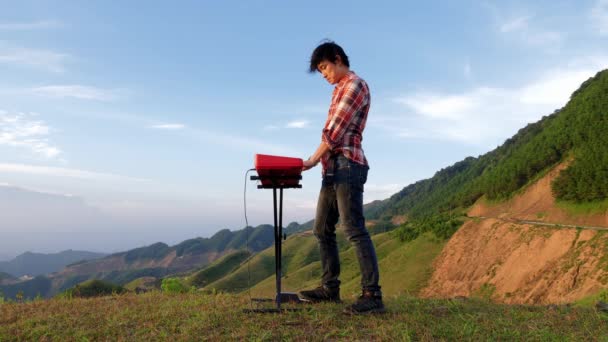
<point>247,239</point>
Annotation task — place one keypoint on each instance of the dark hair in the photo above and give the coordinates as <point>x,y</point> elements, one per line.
<point>327,51</point>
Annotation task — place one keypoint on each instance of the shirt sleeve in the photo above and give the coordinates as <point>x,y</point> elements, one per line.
<point>351,103</point>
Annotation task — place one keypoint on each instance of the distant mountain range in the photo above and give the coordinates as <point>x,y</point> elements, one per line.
<point>6,278</point>
<point>156,260</point>
<point>34,264</point>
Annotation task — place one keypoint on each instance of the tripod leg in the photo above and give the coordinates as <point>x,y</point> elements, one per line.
<point>277,250</point>
<point>280,242</point>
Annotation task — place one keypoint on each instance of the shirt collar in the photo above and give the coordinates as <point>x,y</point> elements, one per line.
<point>349,76</point>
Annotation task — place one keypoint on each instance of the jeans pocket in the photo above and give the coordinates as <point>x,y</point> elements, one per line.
<point>342,170</point>
<point>363,174</point>
<point>358,176</point>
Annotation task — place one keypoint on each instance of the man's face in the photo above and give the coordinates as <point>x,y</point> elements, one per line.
<point>329,71</point>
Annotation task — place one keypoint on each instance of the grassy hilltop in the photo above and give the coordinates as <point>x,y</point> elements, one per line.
<point>196,316</point>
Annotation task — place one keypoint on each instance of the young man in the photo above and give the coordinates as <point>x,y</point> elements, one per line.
<point>344,173</point>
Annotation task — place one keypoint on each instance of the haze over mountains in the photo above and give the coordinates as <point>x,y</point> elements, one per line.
<point>34,264</point>
<point>48,223</point>
<point>44,222</point>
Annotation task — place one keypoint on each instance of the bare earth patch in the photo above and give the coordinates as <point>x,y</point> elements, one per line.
<point>515,263</point>
<point>496,255</point>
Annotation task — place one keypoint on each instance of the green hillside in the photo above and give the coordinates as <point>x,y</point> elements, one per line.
<point>218,269</point>
<point>405,267</point>
<point>298,251</point>
<point>576,132</point>
<point>143,284</point>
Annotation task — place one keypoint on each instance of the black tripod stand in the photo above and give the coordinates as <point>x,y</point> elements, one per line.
<point>279,182</point>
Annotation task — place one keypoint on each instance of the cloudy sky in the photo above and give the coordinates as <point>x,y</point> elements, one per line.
<point>123,124</point>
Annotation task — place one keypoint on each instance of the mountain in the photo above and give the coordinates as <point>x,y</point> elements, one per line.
<point>157,260</point>
<point>575,133</point>
<point>6,278</point>
<point>34,264</point>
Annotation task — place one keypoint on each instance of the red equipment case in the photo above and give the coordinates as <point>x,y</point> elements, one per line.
<point>278,171</point>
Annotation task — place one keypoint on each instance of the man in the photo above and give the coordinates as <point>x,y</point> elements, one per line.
<point>344,173</point>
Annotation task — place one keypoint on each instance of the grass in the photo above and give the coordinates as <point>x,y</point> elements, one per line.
<point>590,301</point>
<point>196,316</point>
<point>585,208</point>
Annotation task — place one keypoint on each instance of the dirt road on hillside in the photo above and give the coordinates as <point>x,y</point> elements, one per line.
<point>540,223</point>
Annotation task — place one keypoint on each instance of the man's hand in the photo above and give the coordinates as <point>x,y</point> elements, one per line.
<point>309,164</point>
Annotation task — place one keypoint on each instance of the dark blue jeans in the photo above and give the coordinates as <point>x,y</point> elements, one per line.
<point>341,196</point>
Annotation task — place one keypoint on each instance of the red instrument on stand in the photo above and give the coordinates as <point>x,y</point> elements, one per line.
<point>275,172</point>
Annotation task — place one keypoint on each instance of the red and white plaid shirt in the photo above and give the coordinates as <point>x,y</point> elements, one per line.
<point>343,131</point>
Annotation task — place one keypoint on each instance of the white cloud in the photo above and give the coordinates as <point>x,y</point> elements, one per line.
<point>467,70</point>
<point>27,26</point>
<point>543,37</point>
<point>298,124</point>
<point>271,128</point>
<point>65,172</point>
<point>305,204</point>
<point>515,24</point>
<point>555,87</point>
<point>291,124</point>
<point>19,130</point>
<point>439,106</point>
<point>40,59</point>
<point>521,28</point>
<point>488,115</point>
<point>380,191</point>
<point>73,91</point>
<point>174,126</point>
<point>599,16</point>
<point>239,142</point>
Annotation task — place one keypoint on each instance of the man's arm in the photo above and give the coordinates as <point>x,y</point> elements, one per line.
<point>355,97</point>
<point>316,157</point>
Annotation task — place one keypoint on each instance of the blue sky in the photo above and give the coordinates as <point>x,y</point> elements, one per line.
<point>146,115</point>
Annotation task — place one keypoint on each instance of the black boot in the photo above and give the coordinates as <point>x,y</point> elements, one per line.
<point>369,302</point>
<point>321,294</point>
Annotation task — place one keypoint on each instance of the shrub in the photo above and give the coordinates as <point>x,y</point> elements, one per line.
<point>93,288</point>
<point>174,285</point>
<point>406,233</point>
